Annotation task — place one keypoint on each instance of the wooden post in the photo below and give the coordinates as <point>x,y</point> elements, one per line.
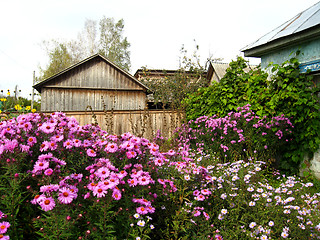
<point>32,95</point>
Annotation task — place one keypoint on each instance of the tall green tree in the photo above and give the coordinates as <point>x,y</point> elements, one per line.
<point>106,40</point>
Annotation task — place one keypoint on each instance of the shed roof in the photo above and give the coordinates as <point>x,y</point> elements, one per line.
<point>220,69</point>
<point>39,85</point>
<point>306,20</point>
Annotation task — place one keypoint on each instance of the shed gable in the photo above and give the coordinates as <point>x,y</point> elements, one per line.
<point>94,74</point>
<point>94,82</point>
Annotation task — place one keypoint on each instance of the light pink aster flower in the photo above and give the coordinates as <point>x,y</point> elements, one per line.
<point>65,196</point>
<point>47,204</point>
<point>47,128</point>
<point>48,172</point>
<point>111,147</point>
<point>4,227</point>
<point>103,172</point>
<point>116,194</point>
<point>40,165</point>
<point>99,191</point>
<point>142,210</point>
<point>91,153</point>
<point>132,182</point>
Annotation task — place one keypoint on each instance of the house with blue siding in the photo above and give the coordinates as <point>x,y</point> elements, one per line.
<point>302,32</point>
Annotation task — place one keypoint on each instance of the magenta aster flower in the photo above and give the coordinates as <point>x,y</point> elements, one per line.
<point>44,146</point>
<point>47,204</point>
<point>65,195</point>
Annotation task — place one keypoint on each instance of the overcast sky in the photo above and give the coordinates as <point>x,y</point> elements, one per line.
<point>155,29</point>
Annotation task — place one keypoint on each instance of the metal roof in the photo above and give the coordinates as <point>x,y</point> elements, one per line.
<point>302,21</point>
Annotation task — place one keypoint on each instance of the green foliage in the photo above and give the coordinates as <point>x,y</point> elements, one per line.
<point>288,92</point>
<point>109,43</point>
<point>60,58</point>
<point>112,44</point>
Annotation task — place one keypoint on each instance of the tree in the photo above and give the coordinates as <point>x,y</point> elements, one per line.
<point>109,42</point>
<point>172,89</point>
<point>112,45</point>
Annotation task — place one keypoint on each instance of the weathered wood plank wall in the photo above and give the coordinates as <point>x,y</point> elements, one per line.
<point>140,123</point>
<point>87,84</point>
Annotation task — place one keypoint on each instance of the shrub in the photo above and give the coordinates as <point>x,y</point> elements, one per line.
<point>238,136</point>
<point>65,181</point>
<point>288,92</point>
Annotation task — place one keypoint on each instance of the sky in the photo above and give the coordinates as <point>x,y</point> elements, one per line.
<point>156,30</point>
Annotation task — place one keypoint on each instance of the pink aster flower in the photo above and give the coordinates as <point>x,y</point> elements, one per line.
<point>127,145</point>
<point>76,143</point>
<point>196,213</point>
<point>49,188</point>
<point>132,182</point>
<point>91,153</point>
<point>218,237</point>
<point>151,209</point>
<point>53,146</point>
<point>142,210</point>
<point>200,197</point>
<point>37,199</point>
<point>122,174</point>
<point>47,128</point>
<point>116,194</point>
<point>111,147</point>
<point>65,196</point>
<point>68,144</point>
<point>4,237</point>
<point>31,141</point>
<point>4,227</point>
<point>158,162</point>
<point>48,172</point>
<point>57,138</point>
<point>131,154</point>
<point>103,172</point>
<point>143,180</point>
<point>99,191</point>
<point>205,192</point>
<point>47,204</point>
<point>44,146</point>
<point>40,165</point>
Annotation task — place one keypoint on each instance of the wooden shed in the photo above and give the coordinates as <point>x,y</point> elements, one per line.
<point>92,82</point>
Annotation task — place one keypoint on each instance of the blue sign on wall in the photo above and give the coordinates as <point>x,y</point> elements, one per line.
<point>313,66</point>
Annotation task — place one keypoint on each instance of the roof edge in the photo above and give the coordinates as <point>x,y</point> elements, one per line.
<point>38,85</point>
<point>280,43</point>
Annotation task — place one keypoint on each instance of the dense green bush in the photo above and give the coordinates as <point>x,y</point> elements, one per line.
<point>285,92</point>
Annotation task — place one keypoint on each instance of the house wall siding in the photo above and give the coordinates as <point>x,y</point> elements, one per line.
<point>89,83</point>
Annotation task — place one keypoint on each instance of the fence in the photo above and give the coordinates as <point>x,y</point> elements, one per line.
<point>143,123</point>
